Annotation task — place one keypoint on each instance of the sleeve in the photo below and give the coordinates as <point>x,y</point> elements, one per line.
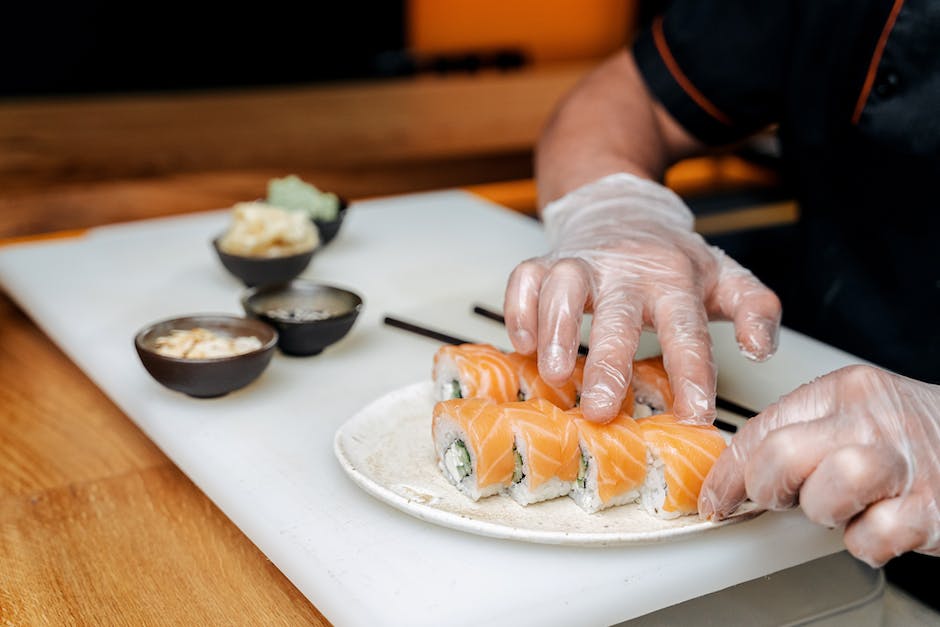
<point>718,67</point>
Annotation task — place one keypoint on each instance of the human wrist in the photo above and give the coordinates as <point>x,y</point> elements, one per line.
<point>616,199</point>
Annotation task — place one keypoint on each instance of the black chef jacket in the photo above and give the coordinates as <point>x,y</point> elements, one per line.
<point>855,88</point>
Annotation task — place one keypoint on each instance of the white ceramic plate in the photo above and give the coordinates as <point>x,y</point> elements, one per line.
<point>387,450</point>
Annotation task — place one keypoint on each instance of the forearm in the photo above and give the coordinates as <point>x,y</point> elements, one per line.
<point>609,123</point>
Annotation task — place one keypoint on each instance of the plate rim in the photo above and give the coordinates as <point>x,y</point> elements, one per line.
<point>469,524</point>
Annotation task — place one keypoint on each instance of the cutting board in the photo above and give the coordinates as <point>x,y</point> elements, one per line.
<point>264,453</point>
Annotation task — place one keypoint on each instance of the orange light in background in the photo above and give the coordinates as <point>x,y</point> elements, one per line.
<point>544,30</point>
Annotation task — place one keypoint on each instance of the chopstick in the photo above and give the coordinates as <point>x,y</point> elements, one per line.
<point>741,410</point>
<point>426,332</point>
<point>446,338</point>
<point>498,317</point>
<point>720,403</point>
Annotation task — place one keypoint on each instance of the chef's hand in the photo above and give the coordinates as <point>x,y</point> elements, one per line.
<point>623,248</point>
<point>858,447</point>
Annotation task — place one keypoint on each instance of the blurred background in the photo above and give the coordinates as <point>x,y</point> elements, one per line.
<point>365,98</point>
<point>111,111</point>
<point>104,46</point>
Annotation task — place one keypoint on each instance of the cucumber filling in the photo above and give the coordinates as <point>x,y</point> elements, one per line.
<point>455,389</point>
<point>457,461</point>
<point>582,472</point>
<point>517,474</point>
<point>643,408</point>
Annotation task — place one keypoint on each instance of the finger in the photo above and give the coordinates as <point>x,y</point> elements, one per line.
<point>724,487</point>
<point>781,463</point>
<point>615,335</point>
<point>682,327</point>
<point>565,291</point>
<point>849,479</point>
<point>521,304</point>
<point>754,308</point>
<point>892,527</point>
<point>811,401</point>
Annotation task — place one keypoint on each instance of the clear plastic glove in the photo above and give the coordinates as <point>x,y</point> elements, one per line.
<point>623,248</point>
<point>858,447</point>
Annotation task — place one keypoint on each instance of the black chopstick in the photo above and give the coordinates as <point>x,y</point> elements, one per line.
<point>486,313</point>
<point>725,426</point>
<point>497,317</point>
<point>734,408</point>
<point>426,332</point>
<point>720,403</point>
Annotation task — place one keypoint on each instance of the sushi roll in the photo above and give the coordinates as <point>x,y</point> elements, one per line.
<point>651,389</point>
<point>473,445</point>
<point>613,462</point>
<point>545,448</point>
<point>532,385</point>
<point>679,456</point>
<point>474,370</point>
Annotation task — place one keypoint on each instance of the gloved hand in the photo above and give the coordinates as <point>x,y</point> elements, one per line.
<point>859,446</point>
<point>623,248</point>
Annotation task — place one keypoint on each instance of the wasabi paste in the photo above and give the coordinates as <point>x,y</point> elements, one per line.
<point>294,194</point>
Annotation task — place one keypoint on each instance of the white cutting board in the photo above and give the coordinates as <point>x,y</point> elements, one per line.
<point>264,453</point>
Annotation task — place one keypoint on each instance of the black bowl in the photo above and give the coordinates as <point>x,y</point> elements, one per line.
<point>264,270</point>
<point>206,378</point>
<point>308,316</point>
<point>329,228</point>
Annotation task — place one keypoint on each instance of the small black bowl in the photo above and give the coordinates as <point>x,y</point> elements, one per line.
<point>264,270</point>
<point>206,378</point>
<point>308,316</point>
<point>329,228</point>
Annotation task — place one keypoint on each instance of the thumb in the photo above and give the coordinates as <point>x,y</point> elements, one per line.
<point>724,487</point>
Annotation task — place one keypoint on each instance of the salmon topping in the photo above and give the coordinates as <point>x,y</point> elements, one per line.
<point>688,453</point>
